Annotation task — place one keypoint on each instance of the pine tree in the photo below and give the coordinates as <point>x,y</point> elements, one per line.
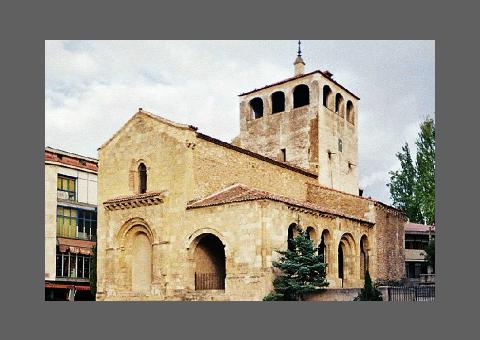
<point>368,292</point>
<point>303,271</point>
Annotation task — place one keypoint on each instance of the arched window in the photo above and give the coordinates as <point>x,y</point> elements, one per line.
<point>301,96</point>
<point>142,176</point>
<point>278,102</point>
<point>256,106</point>
<point>350,112</point>
<point>339,104</point>
<point>327,93</point>
<point>209,263</point>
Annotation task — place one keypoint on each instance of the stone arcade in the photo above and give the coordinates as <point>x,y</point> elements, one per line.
<point>184,216</point>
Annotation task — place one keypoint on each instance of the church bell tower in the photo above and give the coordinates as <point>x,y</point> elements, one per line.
<point>308,121</point>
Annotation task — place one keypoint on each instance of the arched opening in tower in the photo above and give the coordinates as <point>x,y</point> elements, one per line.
<point>256,106</point>
<point>278,102</point>
<point>301,96</point>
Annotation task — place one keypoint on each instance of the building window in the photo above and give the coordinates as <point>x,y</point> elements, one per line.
<point>76,223</point>
<point>66,187</point>
<point>283,155</point>
<point>340,145</point>
<point>72,265</point>
<point>66,222</point>
<point>87,224</point>
<point>142,174</point>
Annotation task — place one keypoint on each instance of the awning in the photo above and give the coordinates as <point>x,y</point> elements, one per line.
<point>73,246</point>
<point>65,286</point>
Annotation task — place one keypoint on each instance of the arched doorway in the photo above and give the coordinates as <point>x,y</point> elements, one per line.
<point>141,265</point>
<point>209,257</point>
<point>363,256</point>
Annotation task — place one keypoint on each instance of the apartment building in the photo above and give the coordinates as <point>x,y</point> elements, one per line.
<point>70,224</point>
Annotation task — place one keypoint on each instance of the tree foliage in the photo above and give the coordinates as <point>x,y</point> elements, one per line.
<point>93,272</point>
<point>368,292</point>
<point>303,271</point>
<point>429,253</point>
<point>412,188</point>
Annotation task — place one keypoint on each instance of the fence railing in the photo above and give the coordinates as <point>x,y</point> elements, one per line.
<point>417,293</point>
<point>205,281</point>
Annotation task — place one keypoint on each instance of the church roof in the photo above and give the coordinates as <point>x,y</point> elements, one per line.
<point>301,76</point>
<point>241,193</point>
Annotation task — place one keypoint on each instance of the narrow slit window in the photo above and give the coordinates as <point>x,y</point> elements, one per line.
<point>142,173</point>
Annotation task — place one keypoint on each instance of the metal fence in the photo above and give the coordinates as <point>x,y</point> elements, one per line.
<point>205,281</point>
<point>417,293</point>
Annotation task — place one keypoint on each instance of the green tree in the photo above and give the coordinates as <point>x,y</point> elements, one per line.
<point>402,186</point>
<point>429,253</point>
<point>93,272</point>
<point>303,271</point>
<point>412,188</point>
<point>368,292</point>
<point>425,165</point>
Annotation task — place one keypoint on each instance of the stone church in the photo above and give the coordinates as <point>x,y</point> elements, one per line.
<point>185,216</point>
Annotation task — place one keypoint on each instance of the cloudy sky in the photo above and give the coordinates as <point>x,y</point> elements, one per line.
<point>93,87</point>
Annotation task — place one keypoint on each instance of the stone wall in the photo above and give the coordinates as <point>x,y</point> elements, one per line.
<point>390,238</point>
<point>216,167</point>
<point>340,201</point>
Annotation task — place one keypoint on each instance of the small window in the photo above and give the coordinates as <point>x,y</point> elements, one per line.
<point>283,155</point>
<point>66,187</point>
<point>340,145</point>
<point>278,102</point>
<point>142,174</point>
<point>256,105</point>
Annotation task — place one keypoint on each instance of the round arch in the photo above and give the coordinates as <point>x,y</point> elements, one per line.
<point>133,225</point>
<point>301,96</point>
<point>312,234</point>
<point>346,259</point>
<point>364,258</point>
<point>209,262</point>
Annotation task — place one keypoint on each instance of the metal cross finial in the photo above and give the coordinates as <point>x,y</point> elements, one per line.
<point>299,52</point>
